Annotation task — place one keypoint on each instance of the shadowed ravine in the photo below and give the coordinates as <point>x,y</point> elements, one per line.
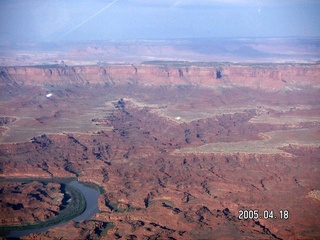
<point>179,150</point>
<point>87,208</point>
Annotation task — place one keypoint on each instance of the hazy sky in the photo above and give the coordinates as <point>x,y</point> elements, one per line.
<point>73,20</point>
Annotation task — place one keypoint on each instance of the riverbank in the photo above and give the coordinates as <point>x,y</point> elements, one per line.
<point>80,203</point>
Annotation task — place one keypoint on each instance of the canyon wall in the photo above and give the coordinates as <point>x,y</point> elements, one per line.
<point>175,162</point>
<point>269,77</point>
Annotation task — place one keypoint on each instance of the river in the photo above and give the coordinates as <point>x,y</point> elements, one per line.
<point>91,196</point>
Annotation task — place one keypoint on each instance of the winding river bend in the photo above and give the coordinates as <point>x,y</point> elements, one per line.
<point>91,197</point>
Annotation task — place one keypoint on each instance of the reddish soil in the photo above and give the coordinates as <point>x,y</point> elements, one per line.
<point>20,202</point>
<point>133,148</point>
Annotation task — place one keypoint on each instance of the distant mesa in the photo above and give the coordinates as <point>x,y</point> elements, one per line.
<point>175,148</point>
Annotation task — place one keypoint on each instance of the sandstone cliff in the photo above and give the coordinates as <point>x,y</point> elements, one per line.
<point>179,149</point>
<point>268,77</point>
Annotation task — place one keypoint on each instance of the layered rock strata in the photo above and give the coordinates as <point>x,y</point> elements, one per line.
<point>147,154</point>
<point>271,77</point>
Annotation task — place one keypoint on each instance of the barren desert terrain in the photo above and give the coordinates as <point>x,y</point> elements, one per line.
<point>181,150</point>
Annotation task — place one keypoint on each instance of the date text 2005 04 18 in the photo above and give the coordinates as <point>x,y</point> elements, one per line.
<point>266,214</point>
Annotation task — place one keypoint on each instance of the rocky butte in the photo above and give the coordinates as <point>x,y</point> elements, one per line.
<point>181,150</point>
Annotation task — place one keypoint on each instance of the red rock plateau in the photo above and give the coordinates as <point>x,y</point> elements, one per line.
<point>20,205</point>
<point>180,149</point>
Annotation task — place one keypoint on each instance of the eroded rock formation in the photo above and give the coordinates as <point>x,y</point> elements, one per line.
<point>271,77</point>
<point>152,147</point>
<point>20,202</point>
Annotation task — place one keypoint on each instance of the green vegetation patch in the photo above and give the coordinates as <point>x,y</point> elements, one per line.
<point>116,207</point>
<point>71,209</point>
<point>107,227</point>
<point>94,186</point>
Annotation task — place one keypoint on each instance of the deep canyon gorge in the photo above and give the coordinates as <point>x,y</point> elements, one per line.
<point>179,149</point>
